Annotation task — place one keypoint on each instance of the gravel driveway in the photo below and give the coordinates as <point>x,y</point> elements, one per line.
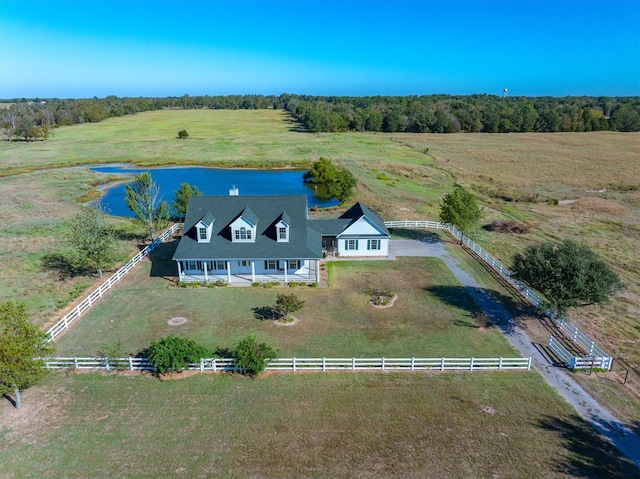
<point>604,422</point>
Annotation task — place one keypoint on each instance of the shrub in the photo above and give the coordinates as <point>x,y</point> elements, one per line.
<point>251,357</point>
<point>174,353</point>
<point>183,134</point>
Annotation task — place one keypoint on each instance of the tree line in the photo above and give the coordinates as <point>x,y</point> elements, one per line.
<point>34,119</point>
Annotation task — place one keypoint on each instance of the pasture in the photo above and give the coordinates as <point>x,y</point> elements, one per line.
<point>517,176</point>
<point>301,425</point>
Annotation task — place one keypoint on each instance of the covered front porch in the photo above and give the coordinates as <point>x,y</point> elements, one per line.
<point>247,272</point>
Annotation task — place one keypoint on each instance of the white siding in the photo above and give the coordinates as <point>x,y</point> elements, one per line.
<point>362,247</point>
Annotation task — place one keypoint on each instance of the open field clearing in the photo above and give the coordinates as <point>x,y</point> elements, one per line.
<point>514,176</point>
<point>432,317</point>
<point>302,425</point>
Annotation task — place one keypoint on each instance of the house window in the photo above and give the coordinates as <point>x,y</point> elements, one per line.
<point>373,244</point>
<point>351,244</point>
<point>202,233</point>
<point>271,264</point>
<point>282,233</point>
<point>243,234</point>
<point>193,265</point>
<point>220,265</point>
<point>244,263</point>
<point>294,264</point>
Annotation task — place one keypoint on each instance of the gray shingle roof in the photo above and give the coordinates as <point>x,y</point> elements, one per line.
<point>265,211</point>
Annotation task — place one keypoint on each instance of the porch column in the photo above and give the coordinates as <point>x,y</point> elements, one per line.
<point>318,271</point>
<point>206,277</point>
<point>253,271</point>
<point>229,272</point>
<point>286,265</point>
<point>179,271</point>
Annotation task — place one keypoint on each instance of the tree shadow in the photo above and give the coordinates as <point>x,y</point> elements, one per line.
<point>265,313</point>
<point>64,267</point>
<point>497,306</point>
<point>589,454</point>
<point>128,235</point>
<point>162,264</point>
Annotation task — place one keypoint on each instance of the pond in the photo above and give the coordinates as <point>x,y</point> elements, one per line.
<point>213,181</point>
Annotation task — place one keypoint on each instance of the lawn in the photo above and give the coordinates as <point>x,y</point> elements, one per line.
<point>432,317</point>
<point>302,425</point>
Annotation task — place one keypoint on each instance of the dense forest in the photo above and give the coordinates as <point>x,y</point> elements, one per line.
<point>33,119</point>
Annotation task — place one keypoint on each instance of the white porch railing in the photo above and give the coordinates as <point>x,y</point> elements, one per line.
<point>93,297</point>
<point>307,364</point>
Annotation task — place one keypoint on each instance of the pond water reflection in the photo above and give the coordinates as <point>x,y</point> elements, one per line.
<point>213,181</point>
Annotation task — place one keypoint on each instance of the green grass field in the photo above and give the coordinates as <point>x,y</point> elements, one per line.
<point>432,317</point>
<point>398,178</point>
<point>304,425</point>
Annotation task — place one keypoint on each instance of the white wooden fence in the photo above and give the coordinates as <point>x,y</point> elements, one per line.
<point>577,362</point>
<point>87,303</point>
<point>306,364</point>
<point>592,350</point>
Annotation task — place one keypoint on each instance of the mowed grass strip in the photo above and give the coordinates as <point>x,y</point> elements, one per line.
<point>432,317</point>
<point>303,425</point>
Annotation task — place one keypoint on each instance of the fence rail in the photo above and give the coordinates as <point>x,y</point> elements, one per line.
<point>577,362</point>
<point>593,351</point>
<point>93,297</point>
<point>306,364</point>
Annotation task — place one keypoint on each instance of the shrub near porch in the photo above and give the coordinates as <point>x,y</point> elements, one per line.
<point>432,317</point>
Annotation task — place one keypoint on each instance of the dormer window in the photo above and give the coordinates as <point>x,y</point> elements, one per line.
<point>243,234</point>
<point>204,228</point>
<point>243,228</point>
<point>282,228</point>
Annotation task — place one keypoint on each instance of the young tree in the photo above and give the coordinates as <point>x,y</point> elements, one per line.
<point>183,134</point>
<point>91,238</point>
<point>181,200</point>
<point>287,304</point>
<point>460,208</point>
<point>251,357</point>
<point>568,274</point>
<point>142,196</point>
<point>22,349</point>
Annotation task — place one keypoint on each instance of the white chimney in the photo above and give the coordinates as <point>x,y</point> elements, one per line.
<point>234,191</point>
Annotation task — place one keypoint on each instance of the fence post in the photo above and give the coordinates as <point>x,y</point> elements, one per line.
<point>75,362</point>
<point>130,363</point>
<point>201,364</point>
<point>413,362</point>
<point>500,364</point>
<point>324,365</point>
<point>293,363</point>
<point>107,363</point>
<point>382,364</point>
<point>442,364</point>
<point>471,365</point>
<point>214,364</point>
<point>353,364</point>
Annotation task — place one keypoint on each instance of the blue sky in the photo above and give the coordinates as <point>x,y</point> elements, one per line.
<point>79,49</point>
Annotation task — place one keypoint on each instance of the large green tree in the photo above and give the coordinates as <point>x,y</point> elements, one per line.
<point>338,181</point>
<point>22,349</point>
<point>91,238</point>
<point>181,200</point>
<point>142,196</point>
<point>568,274</point>
<point>460,208</point>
